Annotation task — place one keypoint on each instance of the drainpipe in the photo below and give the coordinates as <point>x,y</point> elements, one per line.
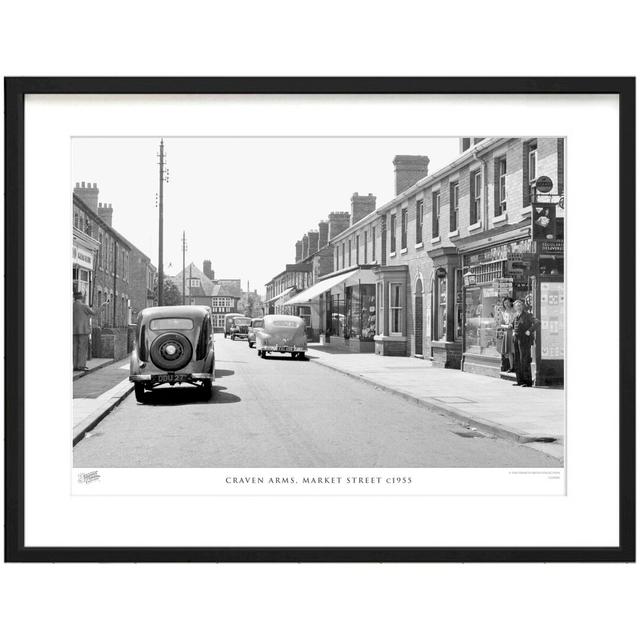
<point>485,188</point>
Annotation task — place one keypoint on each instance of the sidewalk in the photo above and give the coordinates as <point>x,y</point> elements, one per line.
<point>97,394</point>
<point>490,404</point>
<point>92,365</point>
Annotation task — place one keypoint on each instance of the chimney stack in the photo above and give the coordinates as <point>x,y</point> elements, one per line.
<point>314,237</point>
<point>206,269</point>
<point>338,222</point>
<point>361,206</point>
<point>298,250</point>
<point>409,169</point>
<point>105,211</point>
<point>305,246</point>
<point>88,193</point>
<point>323,233</point>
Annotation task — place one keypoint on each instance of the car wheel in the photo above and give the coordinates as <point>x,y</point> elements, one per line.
<point>263,354</point>
<point>138,389</point>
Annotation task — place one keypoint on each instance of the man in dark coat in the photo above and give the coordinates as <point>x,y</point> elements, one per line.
<point>524,327</point>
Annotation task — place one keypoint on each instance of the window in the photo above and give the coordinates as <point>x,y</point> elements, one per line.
<point>162,324</point>
<point>533,162</point>
<point>357,249</point>
<point>373,243</point>
<point>419,220</point>
<point>529,169</point>
<point>392,230</point>
<point>380,314</point>
<point>194,283</point>
<point>349,252</point>
<point>441,309</point>
<point>343,255</point>
<point>395,309</point>
<point>476,196</point>
<point>435,217</point>
<point>365,248</point>
<point>454,200</point>
<point>403,229</point>
<point>501,183</point>
<point>337,258</point>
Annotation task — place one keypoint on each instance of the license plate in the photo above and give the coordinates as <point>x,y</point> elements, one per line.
<point>285,349</point>
<point>169,378</point>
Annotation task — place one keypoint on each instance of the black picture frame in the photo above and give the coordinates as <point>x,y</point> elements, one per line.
<point>15,91</point>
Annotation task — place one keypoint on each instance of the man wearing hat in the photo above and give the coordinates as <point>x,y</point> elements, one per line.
<point>81,330</point>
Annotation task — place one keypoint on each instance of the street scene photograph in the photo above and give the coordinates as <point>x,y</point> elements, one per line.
<point>317,303</point>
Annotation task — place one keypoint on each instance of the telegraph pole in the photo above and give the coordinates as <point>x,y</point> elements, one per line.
<point>160,226</point>
<point>184,249</point>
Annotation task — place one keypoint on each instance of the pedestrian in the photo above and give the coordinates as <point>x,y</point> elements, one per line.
<point>524,328</point>
<point>81,330</point>
<point>505,334</point>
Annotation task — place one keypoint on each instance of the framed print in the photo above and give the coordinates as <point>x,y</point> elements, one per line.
<point>320,319</point>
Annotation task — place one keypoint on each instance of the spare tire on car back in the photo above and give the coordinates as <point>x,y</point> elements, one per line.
<point>171,351</point>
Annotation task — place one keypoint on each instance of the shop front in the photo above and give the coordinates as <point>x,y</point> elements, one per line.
<point>346,309</point>
<point>82,264</point>
<point>490,275</point>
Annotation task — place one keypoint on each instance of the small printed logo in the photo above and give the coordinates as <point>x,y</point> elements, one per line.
<point>88,477</point>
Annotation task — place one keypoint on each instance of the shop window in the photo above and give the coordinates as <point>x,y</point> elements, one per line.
<point>367,312</point>
<point>476,196</point>
<point>435,216</point>
<point>392,230</point>
<point>419,220</point>
<point>403,229</point>
<point>338,316</point>
<point>482,318</point>
<point>305,314</point>
<point>396,303</point>
<point>454,199</point>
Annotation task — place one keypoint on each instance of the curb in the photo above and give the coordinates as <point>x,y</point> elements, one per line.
<point>509,433</point>
<point>81,374</point>
<point>91,421</point>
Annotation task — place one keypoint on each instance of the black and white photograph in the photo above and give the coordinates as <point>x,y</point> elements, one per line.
<point>362,303</point>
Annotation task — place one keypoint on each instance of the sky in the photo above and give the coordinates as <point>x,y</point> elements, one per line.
<point>242,202</point>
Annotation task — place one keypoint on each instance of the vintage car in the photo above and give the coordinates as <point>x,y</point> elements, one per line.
<point>228,318</point>
<point>239,329</point>
<point>282,334</point>
<point>256,325</point>
<point>173,345</point>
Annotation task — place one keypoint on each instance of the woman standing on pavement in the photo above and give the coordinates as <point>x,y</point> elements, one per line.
<point>505,326</point>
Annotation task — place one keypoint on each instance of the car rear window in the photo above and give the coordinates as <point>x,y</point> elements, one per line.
<point>257,323</point>
<point>241,321</point>
<point>180,324</point>
<point>284,323</point>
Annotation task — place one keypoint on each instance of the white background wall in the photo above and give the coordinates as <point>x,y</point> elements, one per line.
<point>306,601</point>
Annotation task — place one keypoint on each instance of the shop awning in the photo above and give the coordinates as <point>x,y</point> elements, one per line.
<point>280,295</point>
<point>319,288</point>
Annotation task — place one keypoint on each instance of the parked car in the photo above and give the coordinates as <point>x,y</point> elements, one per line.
<point>256,325</point>
<point>228,318</point>
<point>173,345</point>
<point>239,329</point>
<point>282,334</point>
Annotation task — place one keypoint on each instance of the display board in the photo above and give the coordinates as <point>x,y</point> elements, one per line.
<point>552,320</point>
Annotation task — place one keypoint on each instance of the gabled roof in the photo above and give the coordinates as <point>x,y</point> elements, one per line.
<point>208,287</point>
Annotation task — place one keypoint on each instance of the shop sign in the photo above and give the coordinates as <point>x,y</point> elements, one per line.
<point>521,249</point>
<point>551,247</point>
<point>83,258</point>
<point>544,184</point>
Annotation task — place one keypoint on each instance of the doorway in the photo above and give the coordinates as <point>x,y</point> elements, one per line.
<point>418,319</point>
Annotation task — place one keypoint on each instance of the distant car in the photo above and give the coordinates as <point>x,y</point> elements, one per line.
<point>254,327</point>
<point>173,345</point>
<point>282,334</point>
<point>239,329</point>
<point>228,319</point>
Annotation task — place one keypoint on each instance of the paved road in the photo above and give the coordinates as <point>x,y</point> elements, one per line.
<point>281,412</point>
